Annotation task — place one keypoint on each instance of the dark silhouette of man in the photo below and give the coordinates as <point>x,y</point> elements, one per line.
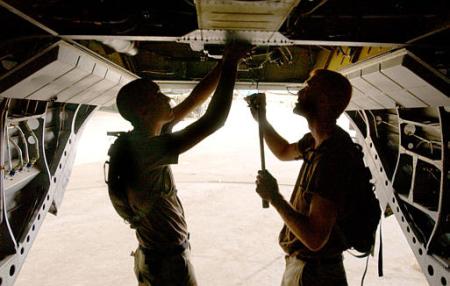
<point>146,195</point>
<point>310,237</point>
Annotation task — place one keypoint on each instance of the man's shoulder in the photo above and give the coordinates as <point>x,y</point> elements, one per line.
<point>338,144</point>
<point>143,144</point>
<point>306,143</point>
<point>119,144</point>
<point>152,151</point>
<point>337,153</point>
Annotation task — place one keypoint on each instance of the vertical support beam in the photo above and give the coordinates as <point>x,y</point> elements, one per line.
<point>7,240</point>
<point>20,222</point>
<point>443,211</point>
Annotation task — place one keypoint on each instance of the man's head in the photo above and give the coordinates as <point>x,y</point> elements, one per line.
<point>141,100</point>
<point>326,92</point>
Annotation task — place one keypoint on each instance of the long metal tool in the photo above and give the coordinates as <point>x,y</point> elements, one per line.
<point>265,203</point>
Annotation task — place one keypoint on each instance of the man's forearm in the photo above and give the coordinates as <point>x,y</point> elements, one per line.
<point>215,114</point>
<point>298,223</point>
<point>220,103</point>
<point>276,143</point>
<point>207,85</point>
<point>199,94</point>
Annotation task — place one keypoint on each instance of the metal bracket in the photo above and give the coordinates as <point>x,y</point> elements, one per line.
<point>198,38</point>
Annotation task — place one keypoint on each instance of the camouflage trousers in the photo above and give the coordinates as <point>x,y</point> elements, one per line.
<point>171,270</point>
<point>302,273</point>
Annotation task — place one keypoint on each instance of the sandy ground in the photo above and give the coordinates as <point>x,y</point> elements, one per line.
<point>234,240</point>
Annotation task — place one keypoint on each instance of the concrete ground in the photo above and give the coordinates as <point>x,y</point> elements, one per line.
<point>234,240</point>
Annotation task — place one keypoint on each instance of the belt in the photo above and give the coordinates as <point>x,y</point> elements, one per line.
<point>165,251</point>
<point>321,260</point>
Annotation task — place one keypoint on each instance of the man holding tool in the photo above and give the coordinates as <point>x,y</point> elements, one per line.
<point>310,238</point>
<point>255,100</point>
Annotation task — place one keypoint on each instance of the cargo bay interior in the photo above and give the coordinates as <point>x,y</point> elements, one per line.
<point>63,61</point>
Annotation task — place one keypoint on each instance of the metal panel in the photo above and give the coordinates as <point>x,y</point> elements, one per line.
<point>108,97</point>
<point>266,15</point>
<point>64,73</point>
<point>64,61</point>
<point>369,90</point>
<point>97,75</point>
<point>373,76</point>
<point>414,83</point>
<point>364,101</point>
<point>198,38</point>
<point>84,67</point>
<point>406,99</point>
<point>398,79</point>
<point>20,179</point>
<point>352,106</point>
<point>111,79</point>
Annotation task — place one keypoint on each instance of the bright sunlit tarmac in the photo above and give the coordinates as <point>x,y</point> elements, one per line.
<point>234,240</point>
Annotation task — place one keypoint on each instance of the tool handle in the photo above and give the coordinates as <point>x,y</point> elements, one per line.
<point>265,203</point>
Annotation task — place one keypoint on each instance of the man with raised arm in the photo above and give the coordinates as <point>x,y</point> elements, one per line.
<point>141,185</point>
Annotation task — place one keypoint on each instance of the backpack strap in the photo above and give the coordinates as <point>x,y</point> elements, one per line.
<point>380,253</point>
<point>380,250</point>
<point>380,259</point>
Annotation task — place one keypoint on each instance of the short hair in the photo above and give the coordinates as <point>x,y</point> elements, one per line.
<point>337,89</point>
<point>131,96</point>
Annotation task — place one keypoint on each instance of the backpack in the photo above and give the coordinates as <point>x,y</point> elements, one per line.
<point>119,175</point>
<point>360,226</point>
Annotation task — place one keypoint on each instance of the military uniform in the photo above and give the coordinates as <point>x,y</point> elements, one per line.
<point>326,172</point>
<point>151,205</point>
